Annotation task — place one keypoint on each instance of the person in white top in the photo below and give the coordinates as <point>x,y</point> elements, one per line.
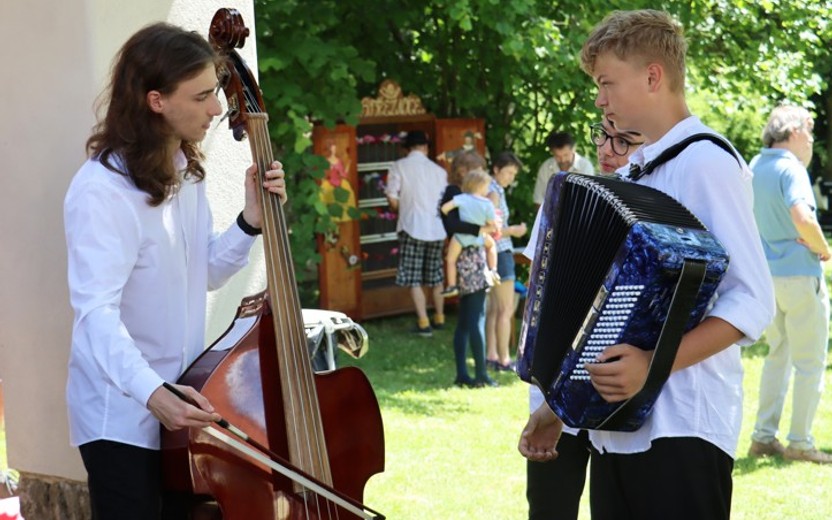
<point>141,256</point>
<point>554,487</point>
<point>679,463</point>
<point>415,185</point>
<point>564,159</point>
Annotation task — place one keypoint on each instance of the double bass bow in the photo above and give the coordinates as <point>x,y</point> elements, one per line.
<point>292,443</point>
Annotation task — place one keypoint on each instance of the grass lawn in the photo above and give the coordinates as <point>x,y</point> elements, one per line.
<point>451,453</point>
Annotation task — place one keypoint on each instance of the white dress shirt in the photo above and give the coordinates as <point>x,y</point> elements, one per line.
<point>705,399</point>
<point>550,167</point>
<point>138,277</point>
<point>418,183</point>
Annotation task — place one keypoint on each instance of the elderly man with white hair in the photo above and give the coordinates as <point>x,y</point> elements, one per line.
<point>795,247</point>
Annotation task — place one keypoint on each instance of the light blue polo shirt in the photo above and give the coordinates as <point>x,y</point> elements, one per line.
<point>780,182</point>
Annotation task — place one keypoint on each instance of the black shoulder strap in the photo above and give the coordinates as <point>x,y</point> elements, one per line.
<point>637,172</point>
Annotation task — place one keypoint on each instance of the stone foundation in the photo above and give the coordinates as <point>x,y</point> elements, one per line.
<point>45,497</point>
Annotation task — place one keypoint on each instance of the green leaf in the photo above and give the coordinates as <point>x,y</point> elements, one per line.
<point>341,195</point>
<point>335,210</point>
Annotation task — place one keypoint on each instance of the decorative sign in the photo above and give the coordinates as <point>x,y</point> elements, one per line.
<point>391,102</point>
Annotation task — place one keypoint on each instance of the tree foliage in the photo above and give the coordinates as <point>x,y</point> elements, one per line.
<point>515,64</point>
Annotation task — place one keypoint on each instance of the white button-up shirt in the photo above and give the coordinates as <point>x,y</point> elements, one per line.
<point>418,183</point>
<point>138,278</point>
<point>705,399</point>
<point>550,167</point>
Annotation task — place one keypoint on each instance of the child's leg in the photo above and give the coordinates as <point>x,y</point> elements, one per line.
<point>491,252</point>
<point>454,248</point>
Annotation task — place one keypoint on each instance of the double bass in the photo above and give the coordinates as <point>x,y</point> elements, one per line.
<point>292,443</point>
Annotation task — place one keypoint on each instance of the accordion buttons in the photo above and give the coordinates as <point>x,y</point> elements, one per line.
<point>604,330</point>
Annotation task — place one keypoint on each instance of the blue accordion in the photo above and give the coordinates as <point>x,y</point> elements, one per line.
<point>615,262</point>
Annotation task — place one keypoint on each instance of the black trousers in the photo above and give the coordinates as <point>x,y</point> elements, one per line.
<point>125,483</point>
<point>683,478</point>
<point>554,488</point>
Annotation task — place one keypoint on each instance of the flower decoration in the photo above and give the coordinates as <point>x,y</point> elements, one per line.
<point>366,139</point>
<point>383,138</point>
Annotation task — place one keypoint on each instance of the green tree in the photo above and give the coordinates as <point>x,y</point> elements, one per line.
<point>515,64</point>
<point>308,73</point>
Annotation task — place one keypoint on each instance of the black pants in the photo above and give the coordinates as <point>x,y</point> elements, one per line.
<point>125,483</point>
<point>682,478</point>
<point>554,488</point>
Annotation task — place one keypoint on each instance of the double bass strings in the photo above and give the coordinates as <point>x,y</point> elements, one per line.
<point>304,426</point>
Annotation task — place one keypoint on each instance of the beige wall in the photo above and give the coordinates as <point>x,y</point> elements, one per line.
<point>56,57</point>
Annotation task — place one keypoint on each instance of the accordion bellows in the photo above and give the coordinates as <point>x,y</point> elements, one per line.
<point>615,262</point>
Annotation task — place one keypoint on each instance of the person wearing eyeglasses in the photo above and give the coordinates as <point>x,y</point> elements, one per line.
<point>554,488</point>
<point>614,147</point>
<point>679,463</point>
<point>564,159</point>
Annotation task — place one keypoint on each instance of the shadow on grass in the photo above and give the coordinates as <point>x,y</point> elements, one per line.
<point>409,372</point>
<point>748,465</point>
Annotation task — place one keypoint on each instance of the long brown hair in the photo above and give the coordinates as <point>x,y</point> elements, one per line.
<point>131,139</point>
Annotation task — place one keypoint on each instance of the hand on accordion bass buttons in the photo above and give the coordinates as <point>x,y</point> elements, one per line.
<point>620,372</point>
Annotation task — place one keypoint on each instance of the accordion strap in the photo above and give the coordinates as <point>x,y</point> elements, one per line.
<point>637,172</point>
<point>678,314</point>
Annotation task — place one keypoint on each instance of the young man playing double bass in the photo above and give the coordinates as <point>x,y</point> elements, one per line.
<point>141,255</point>
<point>678,464</point>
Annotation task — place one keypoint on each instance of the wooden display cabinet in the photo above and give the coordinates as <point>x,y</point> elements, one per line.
<point>358,263</point>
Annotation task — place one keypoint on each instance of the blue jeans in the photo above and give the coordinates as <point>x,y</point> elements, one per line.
<point>470,328</point>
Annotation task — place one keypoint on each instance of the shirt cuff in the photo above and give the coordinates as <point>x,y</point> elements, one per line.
<point>144,384</point>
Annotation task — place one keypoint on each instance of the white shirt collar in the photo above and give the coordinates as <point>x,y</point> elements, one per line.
<point>647,153</point>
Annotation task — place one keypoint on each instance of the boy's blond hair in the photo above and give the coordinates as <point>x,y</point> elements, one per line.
<point>474,179</point>
<point>646,35</point>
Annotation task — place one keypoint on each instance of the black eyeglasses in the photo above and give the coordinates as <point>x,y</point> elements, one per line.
<point>620,145</point>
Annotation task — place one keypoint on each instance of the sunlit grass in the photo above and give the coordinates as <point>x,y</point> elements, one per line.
<point>451,453</point>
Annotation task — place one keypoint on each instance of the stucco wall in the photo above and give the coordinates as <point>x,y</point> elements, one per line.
<point>56,58</point>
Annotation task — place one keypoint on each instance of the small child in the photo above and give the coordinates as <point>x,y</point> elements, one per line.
<point>475,208</point>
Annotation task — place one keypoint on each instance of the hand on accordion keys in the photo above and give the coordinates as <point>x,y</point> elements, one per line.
<point>620,372</point>
<point>539,438</point>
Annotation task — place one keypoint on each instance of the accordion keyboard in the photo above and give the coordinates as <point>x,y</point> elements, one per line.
<point>615,262</point>
<point>603,325</point>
